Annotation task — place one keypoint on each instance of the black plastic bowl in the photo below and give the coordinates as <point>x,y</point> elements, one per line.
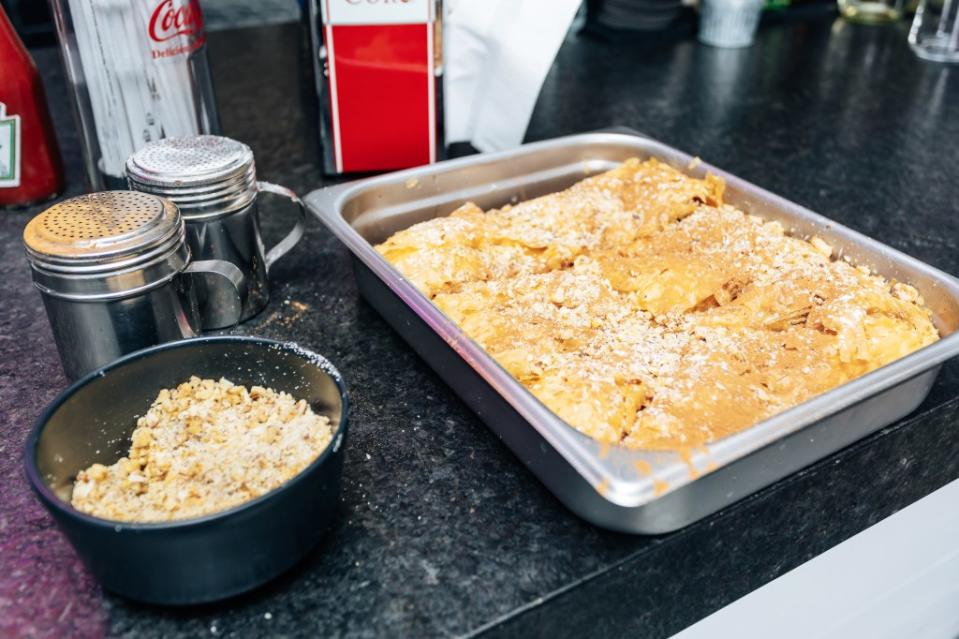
<point>206,558</point>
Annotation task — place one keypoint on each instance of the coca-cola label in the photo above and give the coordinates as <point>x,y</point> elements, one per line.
<point>170,20</point>
<point>377,11</point>
<point>178,23</point>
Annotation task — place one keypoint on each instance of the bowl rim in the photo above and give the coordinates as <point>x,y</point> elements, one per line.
<point>53,502</point>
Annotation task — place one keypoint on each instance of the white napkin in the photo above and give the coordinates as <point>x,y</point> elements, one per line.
<point>498,53</point>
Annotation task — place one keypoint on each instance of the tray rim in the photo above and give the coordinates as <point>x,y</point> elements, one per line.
<point>580,451</point>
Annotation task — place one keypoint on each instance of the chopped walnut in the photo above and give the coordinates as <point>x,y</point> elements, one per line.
<point>203,447</point>
<point>906,293</point>
<point>821,245</point>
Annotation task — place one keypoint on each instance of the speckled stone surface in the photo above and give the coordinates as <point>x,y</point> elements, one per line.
<point>441,531</point>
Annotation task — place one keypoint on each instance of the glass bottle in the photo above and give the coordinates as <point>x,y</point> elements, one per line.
<point>138,72</point>
<point>30,165</point>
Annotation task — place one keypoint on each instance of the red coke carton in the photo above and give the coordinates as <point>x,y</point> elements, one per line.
<point>379,81</point>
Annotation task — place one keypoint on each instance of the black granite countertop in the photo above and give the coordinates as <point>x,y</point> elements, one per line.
<point>441,530</point>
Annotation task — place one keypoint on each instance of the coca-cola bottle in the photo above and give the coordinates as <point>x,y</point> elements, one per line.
<point>30,165</point>
<point>138,72</point>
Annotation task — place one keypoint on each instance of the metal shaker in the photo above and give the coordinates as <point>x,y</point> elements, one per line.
<point>212,180</point>
<point>116,275</point>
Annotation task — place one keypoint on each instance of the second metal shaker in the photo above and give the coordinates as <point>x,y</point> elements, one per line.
<point>212,180</point>
<point>116,276</point>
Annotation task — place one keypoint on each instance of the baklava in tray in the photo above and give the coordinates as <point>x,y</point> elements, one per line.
<point>645,312</point>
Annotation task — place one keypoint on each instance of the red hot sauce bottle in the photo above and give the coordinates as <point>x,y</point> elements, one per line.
<point>30,165</point>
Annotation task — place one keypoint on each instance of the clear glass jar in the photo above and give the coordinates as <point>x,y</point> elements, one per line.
<point>138,72</point>
<point>935,31</point>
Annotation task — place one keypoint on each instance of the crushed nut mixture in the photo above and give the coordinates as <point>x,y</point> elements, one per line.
<point>203,447</point>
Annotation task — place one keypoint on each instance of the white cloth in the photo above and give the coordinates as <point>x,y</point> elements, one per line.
<point>498,53</point>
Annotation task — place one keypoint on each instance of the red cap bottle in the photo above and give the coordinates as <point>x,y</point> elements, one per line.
<point>30,165</point>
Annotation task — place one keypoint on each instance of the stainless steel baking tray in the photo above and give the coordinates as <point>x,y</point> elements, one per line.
<point>626,490</point>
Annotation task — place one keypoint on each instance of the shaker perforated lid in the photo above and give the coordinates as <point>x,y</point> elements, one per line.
<point>101,227</point>
<point>205,175</point>
<point>106,245</point>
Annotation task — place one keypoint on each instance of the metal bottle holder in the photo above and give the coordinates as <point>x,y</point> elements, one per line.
<point>116,275</point>
<point>212,180</point>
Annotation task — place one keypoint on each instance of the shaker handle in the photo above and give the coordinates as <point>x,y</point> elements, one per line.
<point>296,233</point>
<point>231,308</point>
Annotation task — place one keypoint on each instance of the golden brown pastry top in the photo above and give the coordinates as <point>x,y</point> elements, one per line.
<point>645,312</point>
